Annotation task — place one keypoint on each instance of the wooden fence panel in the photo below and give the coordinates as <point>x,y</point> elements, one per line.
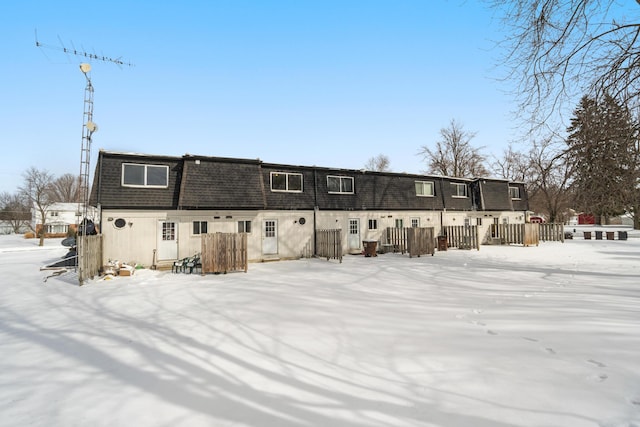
<point>462,236</point>
<point>89,256</point>
<point>531,234</point>
<point>397,238</point>
<point>518,234</point>
<point>329,244</point>
<point>224,252</point>
<point>420,241</point>
<point>551,232</point>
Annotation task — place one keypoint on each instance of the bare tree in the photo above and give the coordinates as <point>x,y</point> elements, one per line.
<point>37,191</point>
<point>379,163</point>
<point>513,165</point>
<point>560,50</point>
<point>14,211</point>
<point>547,175</point>
<point>454,155</point>
<point>550,180</point>
<point>66,188</point>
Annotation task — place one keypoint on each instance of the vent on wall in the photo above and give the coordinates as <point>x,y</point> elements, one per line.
<point>119,223</point>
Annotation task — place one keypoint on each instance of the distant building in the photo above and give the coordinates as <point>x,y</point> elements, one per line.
<point>586,219</point>
<point>60,218</point>
<point>7,228</point>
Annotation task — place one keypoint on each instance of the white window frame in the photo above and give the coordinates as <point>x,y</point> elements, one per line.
<point>341,180</point>
<point>422,185</point>
<point>242,226</point>
<point>514,193</point>
<point>287,176</point>
<point>199,232</point>
<point>373,224</point>
<point>399,223</point>
<point>457,187</point>
<point>57,228</point>
<point>145,177</point>
<point>415,222</point>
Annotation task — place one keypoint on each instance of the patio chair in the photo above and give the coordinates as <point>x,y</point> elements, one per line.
<point>194,263</point>
<point>179,266</point>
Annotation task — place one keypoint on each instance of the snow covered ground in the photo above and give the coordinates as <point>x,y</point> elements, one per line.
<point>504,336</point>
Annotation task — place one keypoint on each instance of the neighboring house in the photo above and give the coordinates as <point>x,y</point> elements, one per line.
<point>60,218</point>
<point>536,219</point>
<point>162,204</point>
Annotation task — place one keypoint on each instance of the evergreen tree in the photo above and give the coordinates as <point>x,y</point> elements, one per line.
<point>601,141</point>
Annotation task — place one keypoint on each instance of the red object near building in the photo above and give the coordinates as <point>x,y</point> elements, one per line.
<point>586,219</point>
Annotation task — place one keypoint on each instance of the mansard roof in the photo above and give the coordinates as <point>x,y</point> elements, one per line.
<point>205,182</point>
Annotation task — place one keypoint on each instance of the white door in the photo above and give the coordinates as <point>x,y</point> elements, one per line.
<point>269,236</point>
<point>167,240</point>
<point>354,233</point>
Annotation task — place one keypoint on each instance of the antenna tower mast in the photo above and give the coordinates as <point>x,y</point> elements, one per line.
<point>83,227</point>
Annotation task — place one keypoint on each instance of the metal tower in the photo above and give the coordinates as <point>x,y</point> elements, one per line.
<point>88,128</point>
<point>83,225</point>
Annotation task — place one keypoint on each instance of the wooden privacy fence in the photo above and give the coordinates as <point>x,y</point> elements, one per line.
<point>307,249</point>
<point>89,256</point>
<point>462,236</point>
<point>421,241</point>
<point>329,244</point>
<point>520,234</point>
<point>414,240</point>
<point>396,238</point>
<point>551,232</point>
<point>224,252</point>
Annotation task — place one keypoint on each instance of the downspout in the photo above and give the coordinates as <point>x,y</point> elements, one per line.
<point>315,209</point>
<point>444,205</point>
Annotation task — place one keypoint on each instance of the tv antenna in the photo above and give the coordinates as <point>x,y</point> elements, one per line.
<point>81,53</point>
<point>83,225</point>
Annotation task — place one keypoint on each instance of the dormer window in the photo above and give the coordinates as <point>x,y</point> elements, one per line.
<point>514,192</point>
<point>424,188</point>
<point>136,175</point>
<point>340,184</point>
<point>286,181</point>
<point>459,190</point>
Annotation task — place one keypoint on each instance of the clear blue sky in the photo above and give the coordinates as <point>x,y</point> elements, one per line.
<point>327,83</point>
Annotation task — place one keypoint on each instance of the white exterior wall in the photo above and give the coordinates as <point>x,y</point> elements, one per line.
<point>293,237</point>
<point>135,242</point>
<point>385,219</point>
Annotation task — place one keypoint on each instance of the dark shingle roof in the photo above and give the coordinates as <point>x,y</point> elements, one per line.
<point>201,182</point>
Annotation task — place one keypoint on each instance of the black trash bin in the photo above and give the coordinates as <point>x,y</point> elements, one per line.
<point>587,235</point>
<point>598,235</point>
<point>622,235</point>
<point>610,235</point>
